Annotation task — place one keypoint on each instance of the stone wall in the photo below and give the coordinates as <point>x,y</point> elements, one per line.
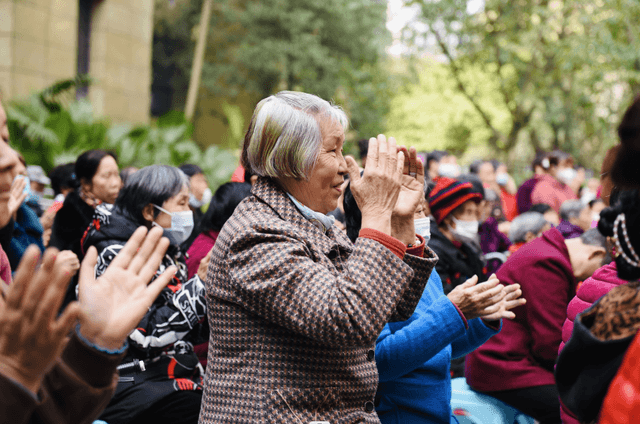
<point>39,45</point>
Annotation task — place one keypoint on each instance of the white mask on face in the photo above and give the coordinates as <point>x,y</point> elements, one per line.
<point>502,179</point>
<point>181,224</point>
<point>423,228</point>
<point>449,170</point>
<point>567,175</point>
<point>465,231</point>
<point>206,199</point>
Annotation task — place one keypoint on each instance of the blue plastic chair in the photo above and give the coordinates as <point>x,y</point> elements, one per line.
<point>471,407</point>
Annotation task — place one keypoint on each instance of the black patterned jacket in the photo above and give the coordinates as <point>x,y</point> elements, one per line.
<point>294,314</point>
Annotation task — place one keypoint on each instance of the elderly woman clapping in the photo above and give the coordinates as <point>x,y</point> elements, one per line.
<point>294,307</point>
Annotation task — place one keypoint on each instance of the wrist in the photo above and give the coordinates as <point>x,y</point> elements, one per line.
<point>31,383</point>
<point>104,343</point>
<point>377,223</point>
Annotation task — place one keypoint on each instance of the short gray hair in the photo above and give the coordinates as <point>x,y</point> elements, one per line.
<point>527,222</point>
<point>571,209</point>
<point>284,139</point>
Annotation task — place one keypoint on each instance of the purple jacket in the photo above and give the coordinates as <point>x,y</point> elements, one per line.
<point>524,352</point>
<point>523,196</point>
<point>569,230</point>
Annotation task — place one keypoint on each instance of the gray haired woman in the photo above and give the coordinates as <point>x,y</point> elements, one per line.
<point>294,307</point>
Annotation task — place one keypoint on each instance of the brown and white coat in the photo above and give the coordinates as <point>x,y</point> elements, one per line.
<point>294,314</point>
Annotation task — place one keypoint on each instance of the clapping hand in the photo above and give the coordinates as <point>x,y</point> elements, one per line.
<point>489,300</point>
<point>31,335</point>
<point>17,196</point>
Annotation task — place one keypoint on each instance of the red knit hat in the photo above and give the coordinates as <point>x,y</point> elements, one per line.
<point>447,195</point>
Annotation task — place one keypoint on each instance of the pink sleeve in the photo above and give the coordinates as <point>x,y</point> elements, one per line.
<point>5,268</point>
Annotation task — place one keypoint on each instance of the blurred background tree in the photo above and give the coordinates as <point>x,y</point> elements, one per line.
<point>562,70</point>
<point>334,48</point>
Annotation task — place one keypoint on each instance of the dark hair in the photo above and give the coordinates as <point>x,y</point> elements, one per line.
<point>540,207</point>
<point>127,172</point>
<point>474,168</point>
<point>495,163</point>
<point>63,177</point>
<point>538,160</point>
<point>352,214</point>
<point>87,164</point>
<point>628,204</point>
<point>363,147</point>
<point>152,184</point>
<point>190,169</point>
<point>476,184</point>
<point>224,202</point>
<point>625,169</point>
<point>435,155</point>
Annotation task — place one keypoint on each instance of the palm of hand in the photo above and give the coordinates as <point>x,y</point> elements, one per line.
<point>113,304</point>
<point>410,196</point>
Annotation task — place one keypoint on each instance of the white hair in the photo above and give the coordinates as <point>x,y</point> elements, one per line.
<point>284,138</point>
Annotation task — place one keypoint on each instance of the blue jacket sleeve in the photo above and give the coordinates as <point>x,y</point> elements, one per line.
<point>476,335</point>
<point>404,346</point>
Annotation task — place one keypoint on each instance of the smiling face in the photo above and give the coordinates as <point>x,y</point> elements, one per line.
<point>323,189</point>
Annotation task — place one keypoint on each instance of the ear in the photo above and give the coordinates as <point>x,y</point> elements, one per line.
<point>147,213</point>
<point>597,252</point>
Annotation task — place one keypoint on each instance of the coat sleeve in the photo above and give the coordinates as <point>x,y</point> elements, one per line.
<point>172,316</point>
<point>477,333</point>
<point>273,274</point>
<point>76,390</point>
<point>404,347</point>
<point>546,311</point>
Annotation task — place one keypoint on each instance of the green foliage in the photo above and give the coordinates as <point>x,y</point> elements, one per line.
<point>563,70</point>
<point>49,133</point>
<point>333,48</point>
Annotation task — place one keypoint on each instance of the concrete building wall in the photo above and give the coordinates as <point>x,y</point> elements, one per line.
<point>39,45</point>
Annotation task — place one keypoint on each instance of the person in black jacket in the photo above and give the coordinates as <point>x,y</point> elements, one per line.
<point>454,232</point>
<point>169,390</point>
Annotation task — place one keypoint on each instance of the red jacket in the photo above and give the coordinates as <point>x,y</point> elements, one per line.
<point>590,291</point>
<point>524,352</point>
<point>622,403</point>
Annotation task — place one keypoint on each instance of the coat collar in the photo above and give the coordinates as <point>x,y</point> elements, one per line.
<point>270,192</point>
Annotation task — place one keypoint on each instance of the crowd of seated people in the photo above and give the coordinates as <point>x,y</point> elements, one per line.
<point>312,287</point>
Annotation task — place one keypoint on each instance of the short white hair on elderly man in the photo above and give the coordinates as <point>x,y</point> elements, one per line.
<point>284,138</point>
<point>528,222</point>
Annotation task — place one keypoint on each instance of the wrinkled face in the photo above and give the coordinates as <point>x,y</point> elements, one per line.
<point>105,184</point>
<point>322,191</point>
<point>468,211</point>
<point>198,186</point>
<point>177,203</point>
<point>10,165</point>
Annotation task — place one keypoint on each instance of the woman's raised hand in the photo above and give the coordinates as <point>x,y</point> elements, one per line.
<point>377,190</point>
<point>112,305</point>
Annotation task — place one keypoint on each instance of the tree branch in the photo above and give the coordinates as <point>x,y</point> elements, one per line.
<point>455,70</point>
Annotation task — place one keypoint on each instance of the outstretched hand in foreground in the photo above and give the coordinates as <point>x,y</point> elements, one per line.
<point>32,336</point>
<point>112,305</point>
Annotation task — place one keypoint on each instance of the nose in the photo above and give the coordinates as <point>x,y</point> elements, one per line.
<point>342,166</point>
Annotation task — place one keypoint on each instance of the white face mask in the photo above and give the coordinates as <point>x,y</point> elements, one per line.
<point>206,199</point>
<point>449,170</point>
<point>181,224</point>
<point>465,231</point>
<point>502,179</point>
<point>567,175</point>
<point>423,228</point>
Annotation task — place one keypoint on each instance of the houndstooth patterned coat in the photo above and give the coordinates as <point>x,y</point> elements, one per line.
<point>294,314</point>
